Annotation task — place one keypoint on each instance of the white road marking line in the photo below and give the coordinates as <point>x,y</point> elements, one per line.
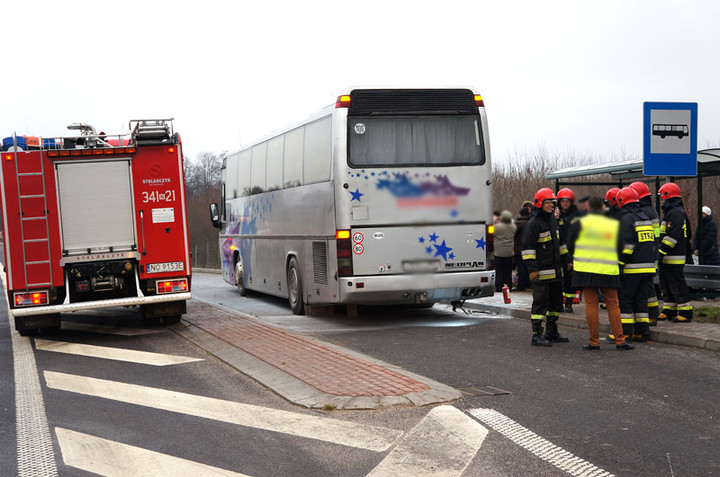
<point>108,329</point>
<point>117,354</point>
<point>35,454</point>
<point>443,444</point>
<point>362,436</point>
<point>110,458</point>
<point>542,448</point>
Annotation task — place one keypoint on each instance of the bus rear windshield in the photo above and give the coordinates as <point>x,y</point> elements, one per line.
<point>415,140</point>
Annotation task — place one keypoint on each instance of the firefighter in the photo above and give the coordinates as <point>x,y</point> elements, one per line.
<point>594,241</point>
<point>638,265</point>
<point>541,253</point>
<point>611,203</point>
<point>568,213</point>
<point>647,206</point>
<point>673,245</point>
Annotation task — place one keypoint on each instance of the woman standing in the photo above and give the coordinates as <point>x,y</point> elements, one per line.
<point>504,250</point>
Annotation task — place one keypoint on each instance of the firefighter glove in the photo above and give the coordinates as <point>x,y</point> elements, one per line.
<point>535,277</point>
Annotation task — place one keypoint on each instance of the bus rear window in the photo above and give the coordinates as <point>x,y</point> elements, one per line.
<point>415,140</point>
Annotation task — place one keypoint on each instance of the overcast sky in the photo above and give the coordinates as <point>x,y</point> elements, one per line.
<point>571,76</point>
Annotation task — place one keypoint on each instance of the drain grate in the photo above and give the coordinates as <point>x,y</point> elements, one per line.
<point>481,390</point>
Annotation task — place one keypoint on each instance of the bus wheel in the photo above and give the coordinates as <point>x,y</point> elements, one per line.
<point>295,291</point>
<point>171,320</point>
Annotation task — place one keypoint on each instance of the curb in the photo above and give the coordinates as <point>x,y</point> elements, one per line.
<point>659,336</point>
<point>301,393</point>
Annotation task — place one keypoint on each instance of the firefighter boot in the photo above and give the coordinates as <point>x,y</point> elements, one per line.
<point>552,333</point>
<point>568,305</point>
<point>537,338</point>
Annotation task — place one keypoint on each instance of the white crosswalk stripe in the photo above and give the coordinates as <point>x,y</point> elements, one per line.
<point>321,428</point>
<point>117,354</point>
<point>542,448</point>
<point>443,444</point>
<point>110,458</point>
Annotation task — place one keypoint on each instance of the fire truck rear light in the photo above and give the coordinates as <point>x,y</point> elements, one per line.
<point>8,157</point>
<point>30,299</point>
<point>172,286</point>
<point>171,150</point>
<point>479,101</point>
<point>343,101</point>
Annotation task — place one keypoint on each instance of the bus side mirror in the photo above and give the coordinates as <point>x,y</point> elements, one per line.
<point>215,215</point>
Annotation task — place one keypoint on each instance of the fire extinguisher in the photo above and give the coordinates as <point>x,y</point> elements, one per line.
<point>506,293</point>
<point>577,298</point>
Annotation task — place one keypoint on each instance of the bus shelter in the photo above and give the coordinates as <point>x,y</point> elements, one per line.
<point>622,173</point>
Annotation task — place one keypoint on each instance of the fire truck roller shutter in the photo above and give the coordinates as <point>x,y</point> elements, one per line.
<point>96,206</point>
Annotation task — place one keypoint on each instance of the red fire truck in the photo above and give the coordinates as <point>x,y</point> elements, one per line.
<point>95,221</point>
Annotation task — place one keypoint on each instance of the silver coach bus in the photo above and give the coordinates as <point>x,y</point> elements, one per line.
<point>383,198</point>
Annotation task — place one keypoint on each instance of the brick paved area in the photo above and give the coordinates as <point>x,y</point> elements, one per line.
<point>322,367</point>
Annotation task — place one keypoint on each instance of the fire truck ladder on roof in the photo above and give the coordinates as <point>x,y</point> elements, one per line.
<point>34,226</point>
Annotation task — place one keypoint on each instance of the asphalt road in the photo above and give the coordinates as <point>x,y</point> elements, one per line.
<point>652,411</point>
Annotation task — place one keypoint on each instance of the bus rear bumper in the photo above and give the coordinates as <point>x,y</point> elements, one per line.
<point>416,289</point>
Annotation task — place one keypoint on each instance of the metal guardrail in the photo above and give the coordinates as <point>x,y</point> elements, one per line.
<point>703,276</point>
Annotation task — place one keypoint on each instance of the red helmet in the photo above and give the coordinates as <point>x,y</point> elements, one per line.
<point>611,196</point>
<point>669,190</point>
<point>542,195</point>
<point>566,194</point>
<point>627,195</point>
<point>641,188</point>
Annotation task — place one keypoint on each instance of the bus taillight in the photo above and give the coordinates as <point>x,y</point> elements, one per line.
<point>343,101</point>
<point>344,253</point>
<point>490,247</point>
<point>479,101</point>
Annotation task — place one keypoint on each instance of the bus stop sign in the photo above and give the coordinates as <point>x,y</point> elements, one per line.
<point>670,139</point>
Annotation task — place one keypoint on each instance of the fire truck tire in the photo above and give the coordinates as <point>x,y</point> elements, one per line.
<point>171,320</point>
<point>295,289</point>
<point>239,278</point>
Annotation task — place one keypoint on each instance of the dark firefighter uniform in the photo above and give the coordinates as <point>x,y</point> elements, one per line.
<point>647,206</point>
<point>637,262</point>
<point>673,243</point>
<point>564,221</point>
<point>541,253</point>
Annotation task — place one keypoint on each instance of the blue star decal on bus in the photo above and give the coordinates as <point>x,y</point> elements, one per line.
<point>356,195</point>
<point>429,250</point>
<point>421,239</point>
<point>480,243</point>
<point>442,251</point>
<point>433,237</point>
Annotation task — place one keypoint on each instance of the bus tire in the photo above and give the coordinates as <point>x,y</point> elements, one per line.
<point>295,289</point>
<point>239,277</point>
<point>171,320</point>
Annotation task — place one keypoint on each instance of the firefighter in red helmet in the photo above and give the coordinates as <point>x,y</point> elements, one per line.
<point>645,199</point>
<point>611,203</point>
<point>541,253</point>
<point>637,265</point>
<point>568,214</point>
<point>673,252</point>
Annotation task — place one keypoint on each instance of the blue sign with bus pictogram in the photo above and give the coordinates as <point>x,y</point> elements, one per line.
<point>670,139</point>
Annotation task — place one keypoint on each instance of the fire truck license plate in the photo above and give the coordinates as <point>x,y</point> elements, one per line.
<point>165,267</point>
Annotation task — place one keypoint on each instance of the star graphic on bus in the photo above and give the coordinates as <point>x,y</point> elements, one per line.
<point>442,251</point>
<point>433,237</point>
<point>480,243</point>
<point>421,239</point>
<point>356,195</point>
